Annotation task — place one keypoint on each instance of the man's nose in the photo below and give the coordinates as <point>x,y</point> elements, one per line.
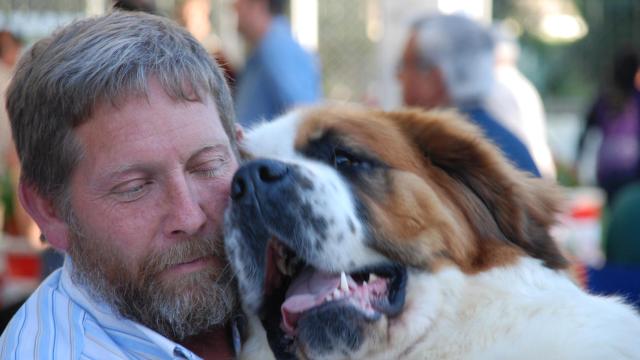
<point>258,176</point>
<point>187,215</point>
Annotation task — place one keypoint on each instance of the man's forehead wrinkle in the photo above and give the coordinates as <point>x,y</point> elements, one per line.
<point>177,130</point>
<point>143,133</point>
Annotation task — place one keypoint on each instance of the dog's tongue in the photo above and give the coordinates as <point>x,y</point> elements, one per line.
<point>307,290</point>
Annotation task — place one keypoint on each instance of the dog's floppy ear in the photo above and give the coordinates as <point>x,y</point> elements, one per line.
<point>522,207</point>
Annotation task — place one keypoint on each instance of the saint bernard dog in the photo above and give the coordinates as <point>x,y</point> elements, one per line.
<point>364,234</point>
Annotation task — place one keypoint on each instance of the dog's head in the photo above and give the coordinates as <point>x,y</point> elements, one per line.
<point>345,215</point>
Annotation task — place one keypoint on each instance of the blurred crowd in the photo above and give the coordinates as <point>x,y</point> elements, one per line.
<point>447,61</point>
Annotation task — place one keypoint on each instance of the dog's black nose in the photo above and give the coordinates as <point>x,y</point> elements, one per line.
<point>255,175</point>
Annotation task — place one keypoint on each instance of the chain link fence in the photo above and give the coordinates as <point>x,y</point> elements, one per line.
<point>347,54</point>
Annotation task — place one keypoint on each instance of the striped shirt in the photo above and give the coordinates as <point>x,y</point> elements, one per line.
<point>60,320</point>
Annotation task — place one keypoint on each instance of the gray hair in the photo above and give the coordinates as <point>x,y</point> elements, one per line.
<point>62,78</point>
<point>461,49</point>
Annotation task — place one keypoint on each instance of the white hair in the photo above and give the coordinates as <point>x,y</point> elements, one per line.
<point>462,50</point>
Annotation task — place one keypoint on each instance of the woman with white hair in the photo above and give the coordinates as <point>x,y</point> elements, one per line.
<point>448,62</point>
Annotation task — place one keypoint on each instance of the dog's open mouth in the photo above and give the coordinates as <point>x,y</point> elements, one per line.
<point>299,288</point>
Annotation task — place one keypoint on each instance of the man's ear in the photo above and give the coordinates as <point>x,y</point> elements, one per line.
<point>43,212</point>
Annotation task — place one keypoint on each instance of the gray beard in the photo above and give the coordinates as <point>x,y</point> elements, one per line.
<point>192,305</point>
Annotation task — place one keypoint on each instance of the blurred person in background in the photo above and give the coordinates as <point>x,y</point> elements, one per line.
<point>34,260</point>
<point>448,61</point>
<point>195,15</point>
<point>278,73</point>
<point>516,103</point>
<point>17,222</point>
<point>10,47</point>
<point>615,114</point>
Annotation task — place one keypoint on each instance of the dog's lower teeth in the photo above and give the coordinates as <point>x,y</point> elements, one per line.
<point>344,285</point>
<point>336,293</point>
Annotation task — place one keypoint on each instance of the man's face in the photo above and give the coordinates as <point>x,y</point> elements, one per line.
<point>421,86</point>
<point>148,198</point>
<point>250,12</point>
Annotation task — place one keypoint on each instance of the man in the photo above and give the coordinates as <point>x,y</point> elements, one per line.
<point>278,73</point>
<point>125,131</point>
<point>448,61</point>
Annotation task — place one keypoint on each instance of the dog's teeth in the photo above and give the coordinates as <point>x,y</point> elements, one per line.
<point>336,293</point>
<point>373,277</point>
<point>344,285</point>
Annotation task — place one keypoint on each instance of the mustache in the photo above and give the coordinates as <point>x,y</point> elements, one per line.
<point>185,251</point>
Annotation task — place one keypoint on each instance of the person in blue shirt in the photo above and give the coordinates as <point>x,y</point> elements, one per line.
<point>278,73</point>
<point>448,61</point>
<point>124,126</point>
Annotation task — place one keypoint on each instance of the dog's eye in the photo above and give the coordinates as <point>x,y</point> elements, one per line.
<point>343,160</point>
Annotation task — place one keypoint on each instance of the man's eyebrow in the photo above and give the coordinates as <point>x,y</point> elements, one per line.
<point>122,171</point>
<point>218,148</point>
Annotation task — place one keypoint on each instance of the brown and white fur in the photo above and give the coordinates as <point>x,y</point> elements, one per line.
<point>423,199</point>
